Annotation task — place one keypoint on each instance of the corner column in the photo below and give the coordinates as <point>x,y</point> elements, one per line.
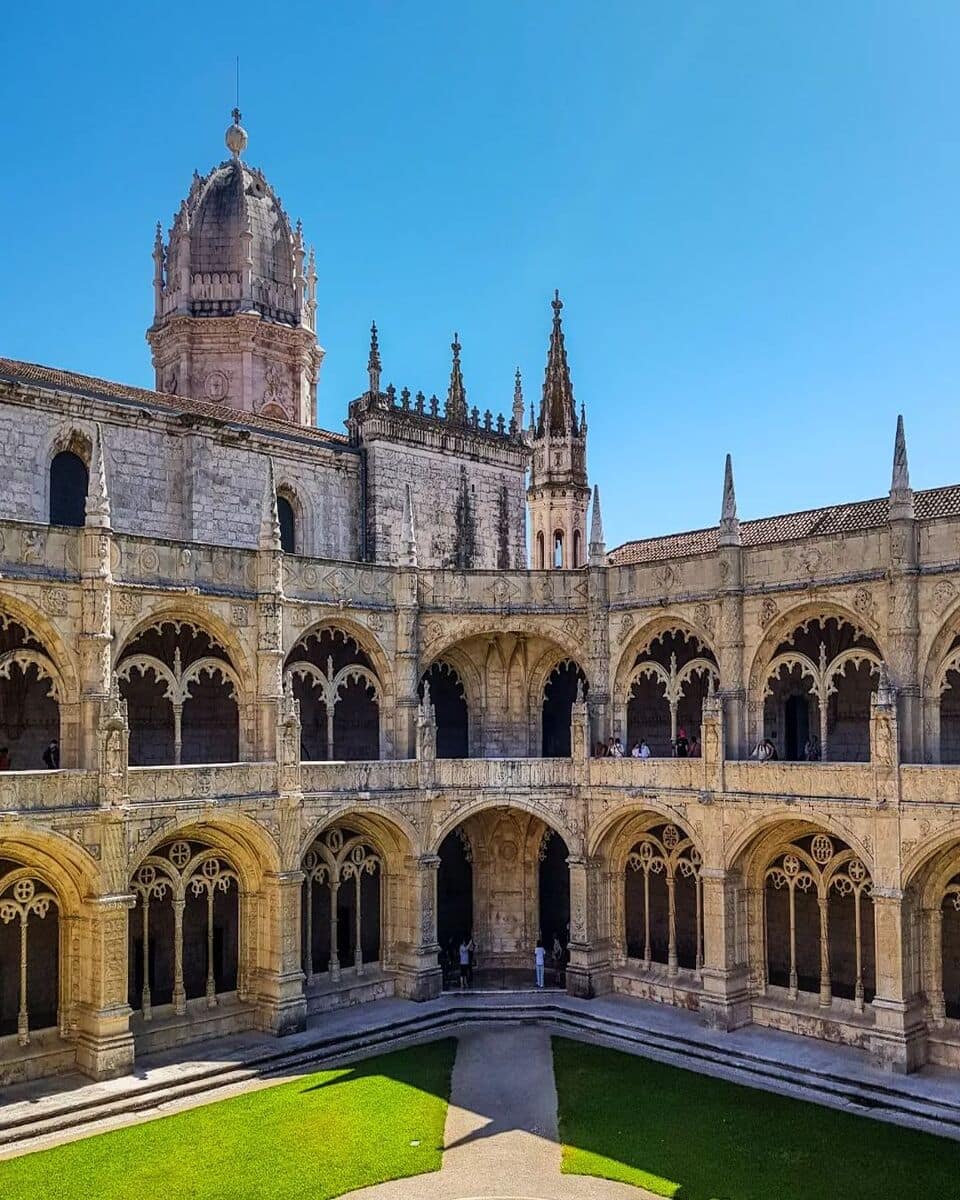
<point>900,1038</point>
<point>588,971</point>
<point>725,1003</point>
<point>104,1041</point>
<point>419,974</point>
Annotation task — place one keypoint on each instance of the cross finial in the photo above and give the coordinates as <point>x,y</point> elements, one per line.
<point>557,303</point>
<point>455,347</point>
<point>236,115</point>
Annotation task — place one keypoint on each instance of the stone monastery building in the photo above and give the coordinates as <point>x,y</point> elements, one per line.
<point>321,710</point>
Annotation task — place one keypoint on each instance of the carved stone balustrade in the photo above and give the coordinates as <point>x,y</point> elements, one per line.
<point>225,781</point>
<point>359,777</point>
<point>32,790</point>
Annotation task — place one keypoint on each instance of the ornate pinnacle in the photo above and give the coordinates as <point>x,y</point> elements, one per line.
<point>373,362</point>
<point>456,407</point>
<point>518,402</point>
<point>408,544</point>
<point>729,523</point>
<point>558,413</point>
<point>901,494</point>
<point>270,517</point>
<point>597,547</point>
<point>97,507</point>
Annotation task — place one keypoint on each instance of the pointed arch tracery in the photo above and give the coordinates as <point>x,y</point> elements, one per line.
<point>663,900</point>
<point>185,930</point>
<point>661,695</point>
<point>341,696</point>
<point>814,694</point>
<point>30,990</point>
<point>448,696</point>
<point>818,920</point>
<point>174,669</point>
<point>341,904</point>
<point>566,681</point>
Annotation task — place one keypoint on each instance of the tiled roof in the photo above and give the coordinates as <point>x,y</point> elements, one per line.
<point>104,389</point>
<point>814,522</point>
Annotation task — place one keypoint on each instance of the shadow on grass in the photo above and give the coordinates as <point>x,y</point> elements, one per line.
<point>693,1137</point>
<point>340,1129</point>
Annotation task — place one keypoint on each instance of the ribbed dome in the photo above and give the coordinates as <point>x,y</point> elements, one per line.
<point>233,196</point>
<point>231,249</point>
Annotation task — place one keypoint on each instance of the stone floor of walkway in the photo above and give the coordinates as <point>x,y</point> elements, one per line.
<point>501,1139</point>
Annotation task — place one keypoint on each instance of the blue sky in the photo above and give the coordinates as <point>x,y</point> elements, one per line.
<point>750,210</point>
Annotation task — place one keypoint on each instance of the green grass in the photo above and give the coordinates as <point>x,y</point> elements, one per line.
<point>319,1136</point>
<point>691,1137</point>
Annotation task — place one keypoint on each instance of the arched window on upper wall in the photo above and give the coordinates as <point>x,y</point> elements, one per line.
<point>68,489</point>
<point>558,549</point>
<point>541,561</point>
<point>288,525</point>
<point>577,550</point>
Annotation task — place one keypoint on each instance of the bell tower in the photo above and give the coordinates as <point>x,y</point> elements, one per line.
<point>235,297</point>
<point>558,494</point>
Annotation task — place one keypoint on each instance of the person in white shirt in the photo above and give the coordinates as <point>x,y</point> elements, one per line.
<point>616,749</point>
<point>466,946</point>
<point>644,749</point>
<point>539,959</point>
<point>635,752</point>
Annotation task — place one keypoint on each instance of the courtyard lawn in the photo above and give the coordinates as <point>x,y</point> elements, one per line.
<point>319,1136</point>
<point>691,1137</point>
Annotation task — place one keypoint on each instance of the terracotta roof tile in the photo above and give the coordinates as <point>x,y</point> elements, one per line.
<point>814,522</point>
<point>104,389</point>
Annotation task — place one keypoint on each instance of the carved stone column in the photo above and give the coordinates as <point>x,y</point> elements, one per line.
<point>725,1003</point>
<point>712,741</point>
<point>730,651</point>
<point>95,641</point>
<point>900,1038</point>
<point>419,974</point>
<point>426,745</point>
<point>406,663</point>
<point>903,631</point>
<point>588,971</point>
<point>281,1003</point>
<point>104,1041</point>
<point>598,669</point>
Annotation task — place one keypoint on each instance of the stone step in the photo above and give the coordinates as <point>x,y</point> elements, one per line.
<point>884,1100</point>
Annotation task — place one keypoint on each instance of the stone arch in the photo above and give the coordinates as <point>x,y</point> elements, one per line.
<point>931,900</point>
<point>448,695</point>
<point>60,875</point>
<point>382,921</point>
<point>347,705</point>
<point>44,631</point>
<point>766,660</point>
<point>68,437</point>
<point>288,489</point>
<point>252,849</point>
<point>647,632</point>
<point>186,699</point>
<point>189,611</point>
<point>743,846</point>
<point>609,832</point>
<point>462,629</point>
<point>365,639</point>
<point>459,812</point>
<point>809,909</point>
<point>555,682</point>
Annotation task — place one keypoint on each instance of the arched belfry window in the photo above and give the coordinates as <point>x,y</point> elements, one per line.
<point>541,560</point>
<point>68,489</point>
<point>288,525</point>
<point>558,549</point>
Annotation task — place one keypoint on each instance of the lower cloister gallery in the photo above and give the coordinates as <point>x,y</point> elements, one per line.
<point>285,718</point>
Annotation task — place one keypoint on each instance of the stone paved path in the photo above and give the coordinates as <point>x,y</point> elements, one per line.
<point>500,1139</point>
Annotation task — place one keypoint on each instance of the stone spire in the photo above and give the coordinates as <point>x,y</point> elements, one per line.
<point>517,404</point>
<point>558,412</point>
<point>456,409</point>
<point>270,518</point>
<point>729,523</point>
<point>597,547</point>
<point>408,537</point>
<point>901,493</point>
<point>373,362</point>
<point>97,507</point>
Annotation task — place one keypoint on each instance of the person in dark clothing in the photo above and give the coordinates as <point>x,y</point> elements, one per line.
<point>681,746</point>
<point>4,759</point>
<point>51,756</point>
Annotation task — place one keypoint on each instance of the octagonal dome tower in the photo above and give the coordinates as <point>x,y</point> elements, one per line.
<point>234,305</point>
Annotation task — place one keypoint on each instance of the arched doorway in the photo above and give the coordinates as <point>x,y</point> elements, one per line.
<point>503,877</point>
